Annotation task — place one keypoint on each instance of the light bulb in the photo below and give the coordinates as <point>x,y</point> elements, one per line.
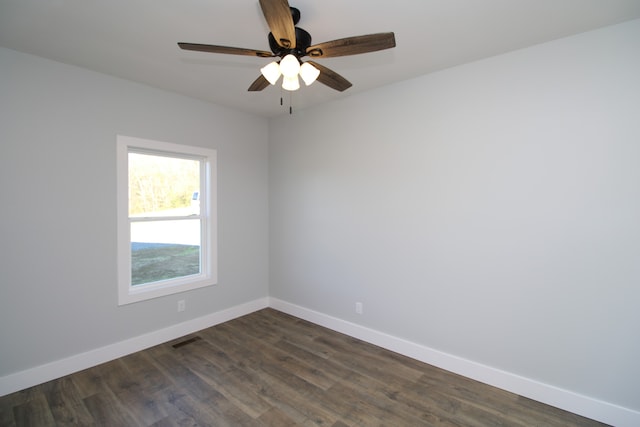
<point>290,83</point>
<point>309,73</point>
<point>289,66</point>
<point>271,72</point>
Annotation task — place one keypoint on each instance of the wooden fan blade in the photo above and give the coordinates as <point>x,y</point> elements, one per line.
<point>331,78</point>
<point>259,84</point>
<point>278,16</point>
<point>352,45</point>
<point>225,49</point>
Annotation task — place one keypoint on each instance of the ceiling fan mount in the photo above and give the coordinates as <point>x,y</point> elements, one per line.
<point>287,39</point>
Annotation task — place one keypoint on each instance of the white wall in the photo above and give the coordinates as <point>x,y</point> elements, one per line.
<point>58,126</point>
<point>490,211</point>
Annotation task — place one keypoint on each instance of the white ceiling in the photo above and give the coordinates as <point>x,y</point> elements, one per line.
<point>136,39</point>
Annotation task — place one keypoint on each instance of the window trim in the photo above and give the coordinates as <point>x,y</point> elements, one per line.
<point>208,276</point>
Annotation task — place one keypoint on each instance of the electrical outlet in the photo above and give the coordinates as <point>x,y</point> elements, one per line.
<point>359,308</point>
<point>182,305</point>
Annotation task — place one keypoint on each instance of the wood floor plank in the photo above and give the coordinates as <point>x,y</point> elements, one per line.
<point>201,412</point>
<point>333,370</point>
<point>290,394</point>
<point>34,412</point>
<point>286,361</point>
<point>259,327</point>
<point>89,381</point>
<point>184,378</point>
<point>369,365</point>
<point>300,331</point>
<point>400,398</point>
<point>272,369</point>
<point>132,388</point>
<point>166,399</point>
<point>66,404</point>
<point>6,412</point>
<point>234,384</point>
<point>276,417</point>
<point>212,354</point>
<point>106,410</point>
<point>117,377</point>
<point>148,377</point>
<point>142,405</point>
<point>356,406</point>
<point>227,413</point>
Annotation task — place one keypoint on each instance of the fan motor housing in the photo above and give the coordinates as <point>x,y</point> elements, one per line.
<point>303,41</point>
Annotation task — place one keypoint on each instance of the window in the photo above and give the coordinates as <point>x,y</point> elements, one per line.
<point>166,218</point>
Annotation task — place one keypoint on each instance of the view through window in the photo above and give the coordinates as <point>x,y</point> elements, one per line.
<point>165,225</point>
<point>166,232</point>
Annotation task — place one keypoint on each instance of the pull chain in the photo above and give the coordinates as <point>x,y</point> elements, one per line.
<point>282,101</point>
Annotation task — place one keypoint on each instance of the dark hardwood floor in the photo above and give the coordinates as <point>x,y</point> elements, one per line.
<point>272,369</point>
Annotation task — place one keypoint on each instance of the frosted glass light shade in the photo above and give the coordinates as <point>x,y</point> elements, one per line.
<point>309,73</point>
<point>271,72</point>
<point>289,66</point>
<point>290,83</point>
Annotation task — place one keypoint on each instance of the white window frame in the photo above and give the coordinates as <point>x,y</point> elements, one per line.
<point>208,276</point>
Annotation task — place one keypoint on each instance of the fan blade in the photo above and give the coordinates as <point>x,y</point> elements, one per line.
<point>278,16</point>
<point>259,84</point>
<point>352,45</point>
<point>331,78</point>
<point>225,49</point>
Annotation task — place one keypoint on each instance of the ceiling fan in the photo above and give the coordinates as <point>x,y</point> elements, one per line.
<point>291,43</point>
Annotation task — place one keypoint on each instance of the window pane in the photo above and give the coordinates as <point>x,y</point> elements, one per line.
<point>162,250</point>
<point>163,186</point>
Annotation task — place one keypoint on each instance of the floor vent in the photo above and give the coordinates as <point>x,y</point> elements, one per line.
<point>185,342</point>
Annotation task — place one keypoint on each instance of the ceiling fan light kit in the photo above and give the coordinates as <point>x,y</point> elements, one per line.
<point>271,72</point>
<point>309,73</point>
<point>290,68</point>
<point>290,83</point>
<point>292,43</point>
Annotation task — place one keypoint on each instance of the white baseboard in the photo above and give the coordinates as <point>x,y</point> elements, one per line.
<point>564,399</point>
<point>59,368</point>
